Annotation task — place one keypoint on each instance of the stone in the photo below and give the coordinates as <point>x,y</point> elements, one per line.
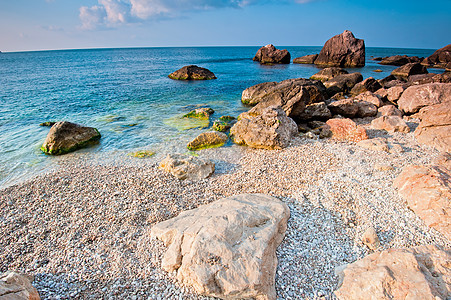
<point>65,137</point>
<point>416,97</point>
<point>390,124</point>
<point>270,55</point>
<point>409,69</point>
<point>328,73</point>
<point>342,83</point>
<point>226,249</point>
<point>394,93</point>
<point>200,113</point>
<point>421,272</point>
<point>427,192</point>
<point>292,95</point>
<point>376,144</point>
<point>370,238</point>
<point>209,139</point>
<point>435,126</point>
<point>368,85</point>
<point>389,110</point>
<point>370,97</point>
<point>47,124</point>
<point>443,77</point>
<point>307,59</point>
<point>346,129</point>
<point>192,73</point>
<point>421,79</point>
<point>16,286</point>
<point>399,60</point>
<point>365,109</point>
<point>142,154</point>
<point>317,111</point>
<point>346,107</point>
<point>342,50</point>
<point>269,128</point>
<point>187,167</point>
<point>440,58</point>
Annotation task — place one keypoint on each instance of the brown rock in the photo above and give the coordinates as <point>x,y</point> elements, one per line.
<point>370,97</point>
<point>435,126</point>
<point>421,272</point>
<point>346,107</point>
<point>15,286</point>
<point>394,93</point>
<point>399,60</point>
<point>342,50</point>
<point>389,110</point>
<point>254,94</point>
<point>192,73</point>
<point>269,128</point>
<point>318,111</point>
<point>270,55</point>
<point>307,59</point>
<point>328,73</point>
<point>187,167</point>
<point>366,109</point>
<point>342,83</point>
<point>421,79</point>
<point>439,58</point>
<point>390,124</point>
<point>416,97</point>
<point>346,129</point>
<point>407,70</point>
<point>427,192</point>
<point>370,84</point>
<point>370,238</point>
<point>208,139</point>
<point>444,77</point>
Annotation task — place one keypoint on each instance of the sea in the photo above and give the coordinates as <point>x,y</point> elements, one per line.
<point>126,94</point>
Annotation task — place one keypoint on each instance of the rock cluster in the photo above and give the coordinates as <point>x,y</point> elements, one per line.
<point>440,58</point>
<point>192,72</point>
<point>270,55</point>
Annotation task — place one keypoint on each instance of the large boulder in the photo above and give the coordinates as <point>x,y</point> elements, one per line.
<point>347,130</point>
<point>370,97</point>
<point>368,85</point>
<point>342,50</point>
<point>269,128</point>
<point>16,286</point>
<point>391,124</point>
<point>328,73</point>
<point>394,93</point>
<point>65,137</point>
<point>270,55</point>
<point>226,249</point>
<point>192,73</point>
<point>399,60</point>
<point>208,139</point>
<point>435,126</point>
<point>187,167</point>
<point>342,83</point>
<point>410,69</point>
<point>427,192</point>
<point>439,58</point>
<point>307,59</point>
<point>353,108</point>
<point>421,272</point>
<point>389,110</point>
<point>315,111</point>
<point>292,95</point>
<point>416,97</point>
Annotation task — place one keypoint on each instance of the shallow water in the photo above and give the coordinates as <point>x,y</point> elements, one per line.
<point>126,94</point>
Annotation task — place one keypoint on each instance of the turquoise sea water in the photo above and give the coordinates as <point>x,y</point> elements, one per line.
<point>126,94</point>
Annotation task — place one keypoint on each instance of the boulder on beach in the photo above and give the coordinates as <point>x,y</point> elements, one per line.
<point>440,58</point>
<point>65,137</point>
<point>16,286</point>
<point>270,55</point>
<point>269,128</point>
<point>347,130</point>
<point>409,69</point>
<point>187,167</point>
<point>226,249</point>
<point>328,73</point>
<point>391,124</point>
<point>353,108</point>
<point>208,139</point>
<point>342,83</point>
<point>389,110</point>
<point>368,85</point>
<point>370,97</point>
<point>315,111</point>
<point>421,272</point>
<point>307,59</point>
<point>342,50</point>
<point>192,73</point>
<point>416,97</point>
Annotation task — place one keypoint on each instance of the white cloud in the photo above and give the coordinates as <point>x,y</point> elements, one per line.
<point>91,17</point>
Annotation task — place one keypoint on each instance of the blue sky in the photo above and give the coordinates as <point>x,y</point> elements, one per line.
<point>68,24</point>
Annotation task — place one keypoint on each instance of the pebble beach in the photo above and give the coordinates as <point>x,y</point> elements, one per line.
<point>82,229</point>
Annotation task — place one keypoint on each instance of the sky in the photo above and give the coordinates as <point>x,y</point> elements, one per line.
<point>28,25</point>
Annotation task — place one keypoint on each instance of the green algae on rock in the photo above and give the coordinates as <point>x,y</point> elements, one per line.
<point>200,113</point>
<point>142,154</point>
<point>180,123</point>
<point>210,139</point>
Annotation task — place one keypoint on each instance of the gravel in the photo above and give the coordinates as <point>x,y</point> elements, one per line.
<point>83,229</point>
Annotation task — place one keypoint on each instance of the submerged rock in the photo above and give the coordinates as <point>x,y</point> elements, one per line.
<point>47,124</point>
<point>270,55</point>
<point>187,167</point>
<point>65,137</point>
<point>399,60</point>
<point>200,113</point>
<point>192,73</point>
<point>208,139</point>
<point>307,59</point>
<point>226,249</point>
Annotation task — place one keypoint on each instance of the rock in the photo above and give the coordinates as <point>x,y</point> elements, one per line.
<point>421,272</point>
<point>421,79</point>
<point>342,50</point>
<point>382,92</point>
<point>407,70</point>
<point>15,286</point>
<point>391,81</point>
<point>439,58</point>
<point>292,95</point>
<point>365,109</point>
<point>221,126</point>
<point>377,144</point>
<point>268,129</point>
<point>142,154</point>
<point>342,83</point>
<point>444,77</point>
<point>390,124</point>
<point>270,55</point>
<point>371,98</point>
<point>318,111</point>
<point>427,192</point>
<point>226,249</point>
<point>65,137</point>
<point>370,84</point>
<point>370,239</point>
<point>389,110</point>
<point>328,73</point>
<point>200,113</point>
<point>346,129</point>
<point>416,97</point>
<point>187,167</point>
<point>192,73</point>
<point>397,60</point>
<point>435,126</point>
<point>47,124</point>
<point>394,93</point>
<point>307,59</point>
<point>346,107</point>
<point>208,139</point>
<point>377,58</point>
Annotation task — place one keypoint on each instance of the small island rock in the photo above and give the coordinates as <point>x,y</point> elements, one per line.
<point>307,59</point>
<point>192,73</point>
<point>342,50</point>
<point>270,55</point>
